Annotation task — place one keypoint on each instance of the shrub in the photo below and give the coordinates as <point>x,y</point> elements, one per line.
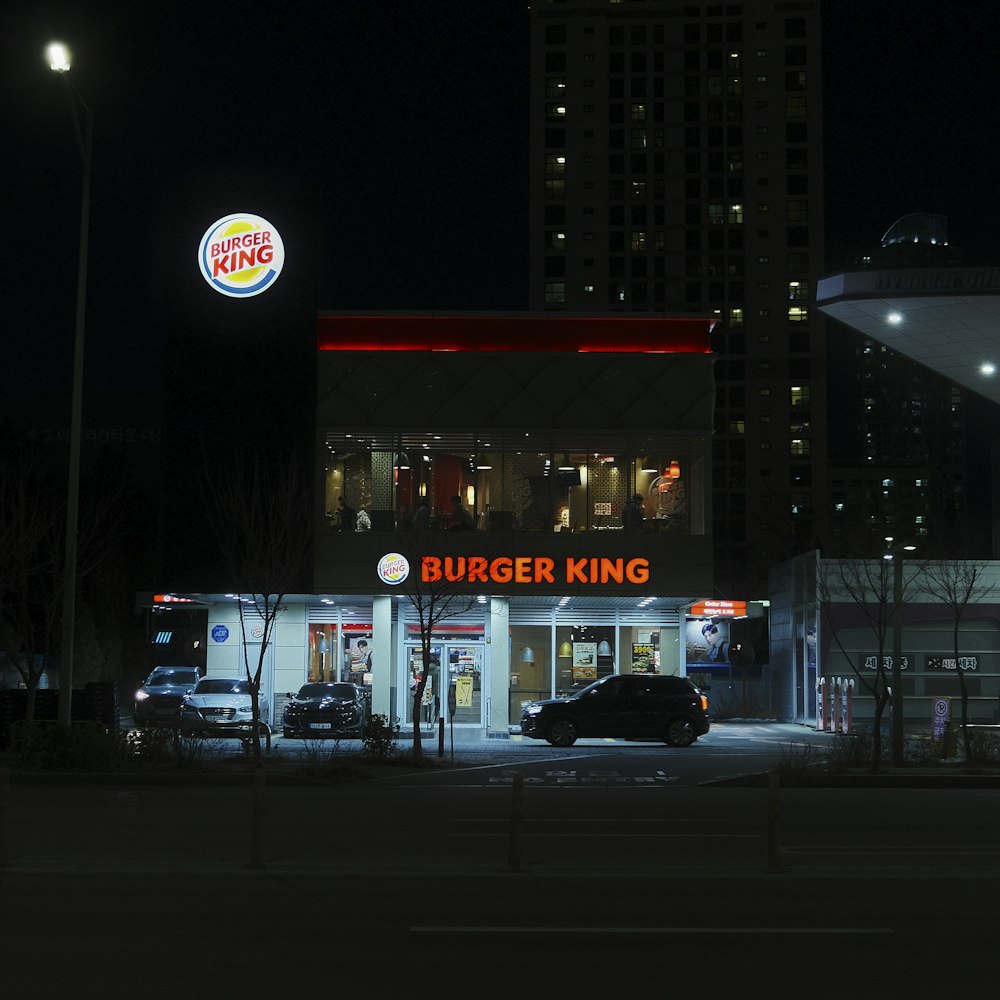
<point>379,739</point>
<point>48,746</point>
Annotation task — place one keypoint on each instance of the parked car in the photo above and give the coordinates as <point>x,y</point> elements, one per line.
<point>326,710</point>
<point>221,706</point>
<point>158,701</point>
<point>623,706</point>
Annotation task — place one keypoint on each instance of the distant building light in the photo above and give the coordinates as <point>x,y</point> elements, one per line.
<point>894,318</point>
<point>987,368</point>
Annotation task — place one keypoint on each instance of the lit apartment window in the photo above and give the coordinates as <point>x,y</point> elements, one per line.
<point>638,113</point>
<point>554,240</point>
<point>799,395</point>
<point>736,426</point>
<point>555,112</point>
<point>555,164</point>
<point>555,86</point>
<point>798,291</point>
<point>555,291</point>
<point>638,138</point>
<point>638,239</point>
<point>735,317</point>
<point>716,215</point>
<point>798,314</point>
<point>799,448</point>
<point>639,189</point>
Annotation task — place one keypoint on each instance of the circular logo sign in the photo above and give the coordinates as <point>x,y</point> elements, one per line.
<point>393,568</point>
<point>220,633</point>
<point>241,255</point>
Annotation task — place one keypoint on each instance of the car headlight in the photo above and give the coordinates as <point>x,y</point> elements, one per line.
<point>533,710</point>
<point>141,695</point>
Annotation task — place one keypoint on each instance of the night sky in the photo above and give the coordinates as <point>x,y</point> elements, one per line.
<point>386,140</point>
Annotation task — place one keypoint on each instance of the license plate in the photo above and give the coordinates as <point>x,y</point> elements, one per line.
<point>319,725</point>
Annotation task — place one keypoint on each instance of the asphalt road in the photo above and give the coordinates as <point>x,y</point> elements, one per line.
<point>612,872</point>
<point>499,935</point>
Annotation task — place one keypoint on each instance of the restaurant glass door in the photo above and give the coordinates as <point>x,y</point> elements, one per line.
<point>455,668</point>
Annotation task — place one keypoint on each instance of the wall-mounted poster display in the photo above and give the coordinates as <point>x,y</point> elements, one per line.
<point>643,658</point>
<point>584,661</point>
<point>707,641</point>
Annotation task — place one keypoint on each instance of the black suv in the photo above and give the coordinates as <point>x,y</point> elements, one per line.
<point>624,706</point>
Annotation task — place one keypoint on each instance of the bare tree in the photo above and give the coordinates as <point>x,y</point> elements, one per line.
<point>868,586</point>
<point>30,577</point>
<point>434,598</point>
<point>262,517</point>
<point>32,526</point>
<point>957,583</point>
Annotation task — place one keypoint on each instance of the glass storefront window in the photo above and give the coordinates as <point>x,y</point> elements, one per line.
<point>510,482</point>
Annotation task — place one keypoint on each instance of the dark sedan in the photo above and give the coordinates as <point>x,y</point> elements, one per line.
<point>325,711</point>
<point>158,701</point>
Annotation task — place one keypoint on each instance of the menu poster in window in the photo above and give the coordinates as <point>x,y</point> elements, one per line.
<point>584,661</point>
<point>643,658</point>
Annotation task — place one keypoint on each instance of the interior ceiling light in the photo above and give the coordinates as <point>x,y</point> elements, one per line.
<point>648,464</point>
<point>484,462</point>
<point>402,461</point>
<point>565,465</point>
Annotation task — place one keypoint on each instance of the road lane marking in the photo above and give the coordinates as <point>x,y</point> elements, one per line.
<point>504,929</point>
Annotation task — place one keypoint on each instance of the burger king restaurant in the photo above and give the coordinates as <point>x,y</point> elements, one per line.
<point>531,492</point>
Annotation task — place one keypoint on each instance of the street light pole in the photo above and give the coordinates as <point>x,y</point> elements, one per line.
<point>59,61</point>
<point>896,555</point>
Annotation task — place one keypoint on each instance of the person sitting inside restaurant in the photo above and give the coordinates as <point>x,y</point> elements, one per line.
<point>461,517</point>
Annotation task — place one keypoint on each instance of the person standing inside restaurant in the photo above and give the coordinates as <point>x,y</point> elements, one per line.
<point>633,516</point>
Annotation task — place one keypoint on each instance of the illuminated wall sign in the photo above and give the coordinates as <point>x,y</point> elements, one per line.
<point>533,569</point>
<point>393,569</point>
<point>720,609</point>
<point>240,255</point>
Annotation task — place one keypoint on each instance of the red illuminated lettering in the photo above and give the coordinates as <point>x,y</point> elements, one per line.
<point>430,569</point>
<point>501,570</point>
<point>522,569</point>
<point>576,571</point>
<point>454,568</point>
<point>478,570</point>
<point>612,569</point>
<point>543,570</point>
<point>637,571</point>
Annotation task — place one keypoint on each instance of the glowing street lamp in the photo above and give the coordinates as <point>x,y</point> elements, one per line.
<point>59,60</point>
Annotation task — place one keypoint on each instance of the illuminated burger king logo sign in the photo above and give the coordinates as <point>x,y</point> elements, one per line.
<point>393,569</point>
<point>241,255</point>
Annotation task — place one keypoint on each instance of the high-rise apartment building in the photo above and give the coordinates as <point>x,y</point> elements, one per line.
<point>677,167</point>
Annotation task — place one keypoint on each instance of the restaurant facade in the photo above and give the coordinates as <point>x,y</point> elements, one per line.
<point>541,482</point>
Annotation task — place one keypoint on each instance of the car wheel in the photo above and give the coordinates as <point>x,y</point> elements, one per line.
<point>680,733</point>
<point>562,733</point>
